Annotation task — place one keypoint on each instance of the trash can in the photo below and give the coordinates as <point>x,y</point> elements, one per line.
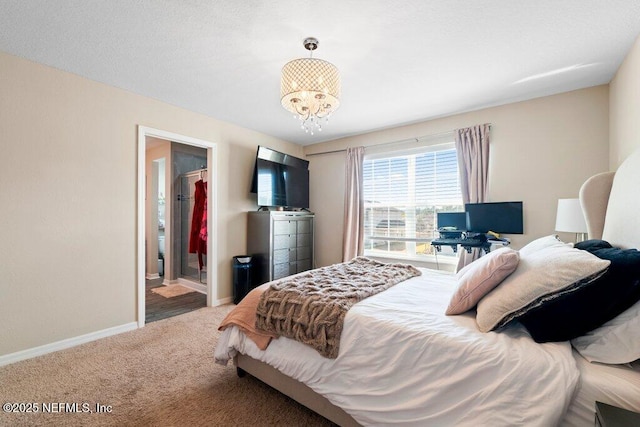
<point>160,265</point>
<point>241,277</point>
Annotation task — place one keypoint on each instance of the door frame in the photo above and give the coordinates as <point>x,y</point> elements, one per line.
<point>212,247</point>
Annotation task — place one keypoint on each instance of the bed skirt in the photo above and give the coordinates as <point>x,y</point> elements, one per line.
<point>294,389</point>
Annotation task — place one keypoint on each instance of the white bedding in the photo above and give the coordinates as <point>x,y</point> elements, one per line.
<point>402,361</point>
<point>617,385</point>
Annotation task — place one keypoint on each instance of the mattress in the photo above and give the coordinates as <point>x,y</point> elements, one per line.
<point>402,361</point>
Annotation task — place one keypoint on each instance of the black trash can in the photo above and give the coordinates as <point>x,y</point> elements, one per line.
<point>242,267</point>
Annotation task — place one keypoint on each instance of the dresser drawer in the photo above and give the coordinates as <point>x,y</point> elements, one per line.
<point>303,253</point>
<point>284,255</point>
<point>284,227</point>
<point>304,226</point>
<point>285,269</point>
<point>303,240</point>
<point>303,265</point>
<point>284,241</point>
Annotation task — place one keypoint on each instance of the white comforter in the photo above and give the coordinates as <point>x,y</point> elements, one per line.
<point>402,361</point>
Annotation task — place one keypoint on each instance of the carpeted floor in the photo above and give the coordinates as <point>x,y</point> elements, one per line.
<point>160,375</point>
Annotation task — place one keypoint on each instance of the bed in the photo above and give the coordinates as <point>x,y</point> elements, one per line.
<point>403,361</point>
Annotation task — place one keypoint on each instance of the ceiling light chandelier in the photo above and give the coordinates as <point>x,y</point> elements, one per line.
<point>310,89</point>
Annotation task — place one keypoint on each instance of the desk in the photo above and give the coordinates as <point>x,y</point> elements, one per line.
<point>467,244</point>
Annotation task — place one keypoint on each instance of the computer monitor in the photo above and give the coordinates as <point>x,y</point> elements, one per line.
<point>452,221</point>
<point>499,217</point>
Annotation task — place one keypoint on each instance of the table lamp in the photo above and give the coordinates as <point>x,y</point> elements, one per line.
<point>570,218</point>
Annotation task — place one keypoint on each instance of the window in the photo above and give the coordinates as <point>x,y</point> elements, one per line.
<point>403,192</point>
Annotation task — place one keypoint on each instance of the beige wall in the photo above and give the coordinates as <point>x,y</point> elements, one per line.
<point>68,150</point>
<point>541,150</point>
<point>624,108</point>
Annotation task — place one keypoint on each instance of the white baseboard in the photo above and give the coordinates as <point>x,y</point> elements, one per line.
<point>222,301</point>
<point>200,287</point>
<point>64,344</point>
<point>152,276</point>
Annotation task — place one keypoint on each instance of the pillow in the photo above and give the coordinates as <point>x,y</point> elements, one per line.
<point>541,243</point>
<point>476,279</point>
<point>572,315</point>
<point>593,244</point>
<point>615,342</point>
<point>541,276</point>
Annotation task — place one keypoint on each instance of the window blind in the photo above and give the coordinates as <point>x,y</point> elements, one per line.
<point>403,192</point>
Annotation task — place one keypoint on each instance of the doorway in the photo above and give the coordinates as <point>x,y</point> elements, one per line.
<point>159,244</point>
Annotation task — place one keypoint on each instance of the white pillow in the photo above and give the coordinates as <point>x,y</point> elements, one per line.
<point>541,243</point>
<point>615,342</point>
<point>541,276</point>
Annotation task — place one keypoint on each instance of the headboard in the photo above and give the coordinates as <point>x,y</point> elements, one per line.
<point>611,204</point>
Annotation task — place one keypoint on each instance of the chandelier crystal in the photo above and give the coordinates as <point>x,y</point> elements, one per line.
<point>310,89</point>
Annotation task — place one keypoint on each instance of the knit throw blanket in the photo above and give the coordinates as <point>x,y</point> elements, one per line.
<point>310,307</point>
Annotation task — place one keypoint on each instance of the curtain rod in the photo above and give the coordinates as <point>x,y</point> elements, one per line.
<point>417,139</point>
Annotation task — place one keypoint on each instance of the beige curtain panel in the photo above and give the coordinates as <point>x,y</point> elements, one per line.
<point>352,244</point>
<point>472,145</point>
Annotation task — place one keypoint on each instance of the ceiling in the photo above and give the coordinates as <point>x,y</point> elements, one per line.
<point>401,61</point>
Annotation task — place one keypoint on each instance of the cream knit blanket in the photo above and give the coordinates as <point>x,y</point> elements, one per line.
<point>310,307</point>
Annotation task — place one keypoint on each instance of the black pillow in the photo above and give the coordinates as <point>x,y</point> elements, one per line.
<point>593,244</point>
<point>572,315</point>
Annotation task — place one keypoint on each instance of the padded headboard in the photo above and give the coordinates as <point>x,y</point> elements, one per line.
<point>611,204</point>
<point>594,198</point>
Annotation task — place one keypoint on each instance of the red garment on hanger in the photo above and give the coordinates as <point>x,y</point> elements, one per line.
<point>196,243</point>
<point>203,223</point>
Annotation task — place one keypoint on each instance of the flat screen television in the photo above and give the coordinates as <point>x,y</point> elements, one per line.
<point>280,180</point>
<point>452,221</point>
<point>499,217</point>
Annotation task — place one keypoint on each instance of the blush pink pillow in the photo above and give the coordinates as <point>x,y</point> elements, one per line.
<point>480,277</point>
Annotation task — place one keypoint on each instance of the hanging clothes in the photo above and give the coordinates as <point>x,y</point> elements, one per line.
<point>198,244</point>
<point>203,223</point>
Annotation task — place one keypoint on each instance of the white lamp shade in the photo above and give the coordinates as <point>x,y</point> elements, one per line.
<point>569,217</point>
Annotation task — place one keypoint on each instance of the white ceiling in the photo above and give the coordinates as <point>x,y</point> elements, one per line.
<point>401,61</point>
